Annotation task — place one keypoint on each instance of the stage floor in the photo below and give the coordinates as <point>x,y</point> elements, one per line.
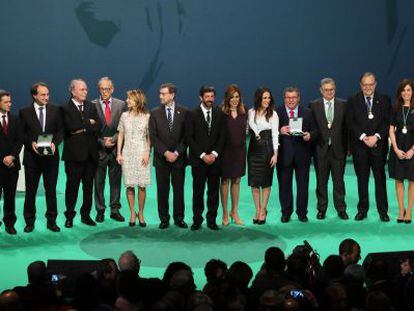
<point>156,248</point>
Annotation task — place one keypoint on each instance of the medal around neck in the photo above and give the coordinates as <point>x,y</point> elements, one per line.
<point>370,116</point>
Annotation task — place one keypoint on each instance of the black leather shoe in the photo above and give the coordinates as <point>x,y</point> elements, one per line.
<point>117,217</point>
<point>343,215</point>
<point>181,224</point>
<point>164,225</point>
<point>195,227</point>
<point>69,223</point>
<point>384,218</point>
<point>87,220</point>
<point>303,218</point>
<point>100,216</point>
<point>213,226</point>
<point>285,218</point>
<point>11,230</point>
<point>320,215</point>
<point>360,216</point>
<point>52,226</point>
<point>407,221</point>
<point>28,228</point>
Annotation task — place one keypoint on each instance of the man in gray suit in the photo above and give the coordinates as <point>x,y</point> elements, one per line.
<point>331,147</point>
<point>109,111</point>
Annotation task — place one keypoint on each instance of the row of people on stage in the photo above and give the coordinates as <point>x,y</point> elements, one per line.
<point>111,137</point>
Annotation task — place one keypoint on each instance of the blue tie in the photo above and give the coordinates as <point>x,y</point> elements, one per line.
<point>41,118</point>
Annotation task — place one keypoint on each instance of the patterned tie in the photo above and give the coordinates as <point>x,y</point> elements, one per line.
<point>169,119</point>
<point>41,118</point>
<point>107,112</point>
<point>208,119</point>
<point>4,125</point>
<point>368,103</point>
<point>292,114</point>
<point>329,115</point>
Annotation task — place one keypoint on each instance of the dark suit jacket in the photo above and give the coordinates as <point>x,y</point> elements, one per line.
<point>78,147</point>
<point>11,144</point>
<point>337,132</point>
<point>117,108</point>
<point>358,122</point>
<point>31,129</point>
<point>294,148</point>
<point>197,135</point>
<point>163,140</point>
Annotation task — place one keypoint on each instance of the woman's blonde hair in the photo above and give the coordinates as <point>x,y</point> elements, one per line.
<point>139,99</point>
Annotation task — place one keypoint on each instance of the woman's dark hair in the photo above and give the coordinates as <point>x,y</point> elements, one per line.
<point>258,95</point>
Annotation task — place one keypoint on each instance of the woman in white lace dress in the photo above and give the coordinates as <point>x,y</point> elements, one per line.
<point>133,152</point>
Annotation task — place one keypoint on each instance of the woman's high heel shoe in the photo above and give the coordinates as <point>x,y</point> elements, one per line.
<point>237,220</point>
<point>132,224</point>
<point>225,222</point>
<point>401,220</point>
<point>255,221</point>
<point>141,223</point>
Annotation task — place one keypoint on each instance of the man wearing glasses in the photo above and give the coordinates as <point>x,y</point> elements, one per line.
<point>329,114</point>
<point>109,111</point>
<point>368,123</point>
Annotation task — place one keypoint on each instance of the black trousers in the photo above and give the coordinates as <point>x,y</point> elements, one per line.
<point>49,168</point>
<point>285,178</point>
<point>203,174</point>
<point>165,175</point>
<point>325,166</point>
<point>108,163</point>
<point>363,164</point>
<point>8,184</point>
<point>77,172</point>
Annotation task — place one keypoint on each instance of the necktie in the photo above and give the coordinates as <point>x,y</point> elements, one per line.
<point>369,104</point>
<point>329,115</point>
<point>169,119</point>
<point>291,114</point>
<point>80,107</point>
<point>41,118</point>
<point>107,112</point>
<point>4,125</point>
<point>208,119</point>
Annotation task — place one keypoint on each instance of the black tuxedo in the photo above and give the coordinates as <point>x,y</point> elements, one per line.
<point>364,157</point>
<point>80,153</point>
<point>163,140</point>
<point>10,144</point>
<point>202,140</point>
<point>331,147</point>
<point>294,154</point>
<point>36,165</point>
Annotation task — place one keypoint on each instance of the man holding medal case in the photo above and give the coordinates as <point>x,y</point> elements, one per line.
<point>42,132</point>
<point>368,122</point>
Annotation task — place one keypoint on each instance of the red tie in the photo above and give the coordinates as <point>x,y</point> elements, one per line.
<point>107,112</point>
<point>4,125</point>
<point>292,113</point>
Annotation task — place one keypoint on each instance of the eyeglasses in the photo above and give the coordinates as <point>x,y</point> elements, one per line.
<point>105,89</point>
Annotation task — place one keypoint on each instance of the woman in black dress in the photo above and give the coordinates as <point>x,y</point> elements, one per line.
<point>401,161</point>
<point>234,154</point>
<point>262,155</point>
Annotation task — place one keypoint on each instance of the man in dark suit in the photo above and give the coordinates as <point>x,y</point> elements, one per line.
<point>10,146</point>
<point>80,151</point>
<point>39,118</point>
<point>205,135</point>
<point>109,111</point>
<point>294,155</point>
<point>368,122</point>
<point>167,128</point>
<point>329,114</point>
